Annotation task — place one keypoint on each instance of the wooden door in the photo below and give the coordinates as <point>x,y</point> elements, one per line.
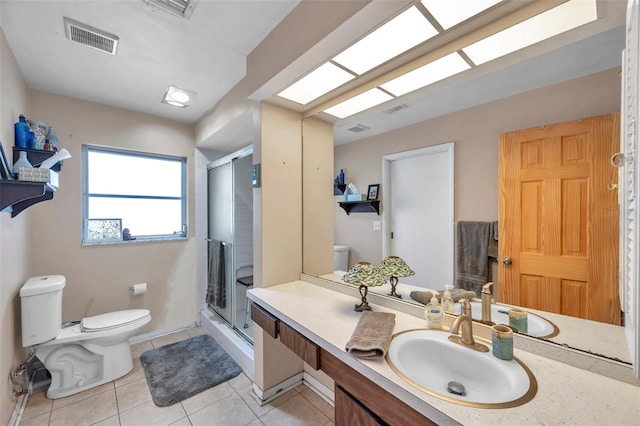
<point>558,218</point>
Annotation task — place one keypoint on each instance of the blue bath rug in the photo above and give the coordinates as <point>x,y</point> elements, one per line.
<point>177,371</point>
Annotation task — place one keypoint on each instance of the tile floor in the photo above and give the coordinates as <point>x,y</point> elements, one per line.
<point>127,401</point>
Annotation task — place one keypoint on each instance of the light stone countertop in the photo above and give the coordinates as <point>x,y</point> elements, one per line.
<point>566,394</point>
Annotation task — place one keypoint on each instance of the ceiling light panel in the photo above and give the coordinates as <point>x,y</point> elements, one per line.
<point>178,97</point>
<point>555,21</point>
<point>315,84</point>
<point>451,12</point>
<point>427,74</point>
<point>405,31</point>
<point>358,103</point>
<point>182,8</point>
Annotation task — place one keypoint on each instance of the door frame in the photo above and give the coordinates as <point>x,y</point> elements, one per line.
<point>446,148</point>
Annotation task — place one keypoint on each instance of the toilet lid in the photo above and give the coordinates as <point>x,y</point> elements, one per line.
<point>113,319</point>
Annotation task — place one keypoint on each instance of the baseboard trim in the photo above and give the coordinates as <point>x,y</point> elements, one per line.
<point>266,396</point>
<point>18,410</point>
<point>161,332</point>
<point>319,388</point>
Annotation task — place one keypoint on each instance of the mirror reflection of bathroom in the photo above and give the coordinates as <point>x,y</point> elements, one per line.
<point>230,240</point>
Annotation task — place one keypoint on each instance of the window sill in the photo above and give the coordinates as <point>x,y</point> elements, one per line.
<point>137,240</point>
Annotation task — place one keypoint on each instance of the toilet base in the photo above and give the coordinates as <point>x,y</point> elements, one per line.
<point>77,367</point>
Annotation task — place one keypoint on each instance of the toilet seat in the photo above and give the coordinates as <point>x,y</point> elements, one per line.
<point>112,320</point>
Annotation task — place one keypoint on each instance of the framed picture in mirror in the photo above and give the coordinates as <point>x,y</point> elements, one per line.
<point>372,192</point>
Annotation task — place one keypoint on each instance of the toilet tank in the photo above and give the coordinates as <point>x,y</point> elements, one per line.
<point>41,302</point>
<point>340,258</point>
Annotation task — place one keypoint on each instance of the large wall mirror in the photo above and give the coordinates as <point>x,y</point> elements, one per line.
<point>475,132</point>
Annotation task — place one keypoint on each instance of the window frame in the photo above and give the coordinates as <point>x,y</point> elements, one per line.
<point>86,148</point>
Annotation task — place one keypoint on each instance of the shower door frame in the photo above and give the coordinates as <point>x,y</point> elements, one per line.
<point>230,247</point>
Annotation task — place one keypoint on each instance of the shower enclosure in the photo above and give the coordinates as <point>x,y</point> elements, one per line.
<point>230,239</point>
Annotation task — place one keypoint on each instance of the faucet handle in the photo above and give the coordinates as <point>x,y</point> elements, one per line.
<point>486,289</point>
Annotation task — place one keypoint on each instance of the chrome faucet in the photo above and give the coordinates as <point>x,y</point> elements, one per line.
<point>486,302</point>
<point>466,336</point>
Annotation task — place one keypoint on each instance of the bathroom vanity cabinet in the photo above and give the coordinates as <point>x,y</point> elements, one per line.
<point>316,321</point>
<point>358,400</point>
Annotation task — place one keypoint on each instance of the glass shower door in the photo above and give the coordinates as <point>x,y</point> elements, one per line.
<point>220,274</point>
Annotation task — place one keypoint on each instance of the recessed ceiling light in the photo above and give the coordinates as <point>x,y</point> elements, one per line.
<point>178,97</point>
<point>565,17</point>
<point>403,32</point>
<point>427,74</point>
<point>451,12</point>
<point>358,103</point>
<point>315,84</point>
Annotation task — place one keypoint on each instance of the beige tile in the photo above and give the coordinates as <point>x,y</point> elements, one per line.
<point>40,420</point>
<point>196,331</point>
<point>230,411</point>
<point>182,422</point>
<point>317,401</point>
<point>329,424</point>
<point>138,349</point>
<point>87,411</point>
<point>111,421</point>
<point>132,394</point>
<point>259,410</point>
<point>150,414</point>
<point>301,387</point>
<point>37,404</point>
<point>199,401</point>
<point>295,411</point>
<point>134,375</point>
<point>240,382</point>
<point>256,422</point>
<point>62,402</point>
<point>167,339</point>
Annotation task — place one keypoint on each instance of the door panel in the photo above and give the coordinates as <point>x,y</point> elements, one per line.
<point>556,220</point>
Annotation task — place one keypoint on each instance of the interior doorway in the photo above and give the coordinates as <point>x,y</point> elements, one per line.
<point>230,239</point>
<point>418,213</point>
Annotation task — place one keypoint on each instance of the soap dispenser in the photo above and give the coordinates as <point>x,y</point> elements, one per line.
<point>447,300</point>
<point>434,313</point>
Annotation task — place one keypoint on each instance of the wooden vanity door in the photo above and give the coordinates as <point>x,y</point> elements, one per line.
<point>558,218</point>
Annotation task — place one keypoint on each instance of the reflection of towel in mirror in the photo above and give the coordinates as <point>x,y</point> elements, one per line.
<point>475,243</point>
<point>424,297</point>
<point>372,335</point>
<point>216,293</point>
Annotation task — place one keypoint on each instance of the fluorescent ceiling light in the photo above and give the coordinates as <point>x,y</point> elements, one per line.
<point>426,74</point>
<point>396,36</point>
<point>358,103</point>
<point>178,97</point>
<point>451,12</point>
<point>562,18</point>
<point>315,84</point>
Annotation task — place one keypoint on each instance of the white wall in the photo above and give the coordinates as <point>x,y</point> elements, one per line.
<point>14,233</point>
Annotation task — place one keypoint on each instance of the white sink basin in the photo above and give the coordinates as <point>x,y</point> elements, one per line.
<point>536,325</point>
<point>430,362</point>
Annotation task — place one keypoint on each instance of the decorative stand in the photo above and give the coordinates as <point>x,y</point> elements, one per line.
<point>394,282</point>
<point>364,305</point>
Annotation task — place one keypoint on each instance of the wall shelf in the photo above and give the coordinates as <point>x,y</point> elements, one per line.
<point>17,195</point>
<point>368,206</point>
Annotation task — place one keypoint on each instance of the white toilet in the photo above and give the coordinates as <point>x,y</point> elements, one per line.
<point>83,355</point>
<point>340,258</point>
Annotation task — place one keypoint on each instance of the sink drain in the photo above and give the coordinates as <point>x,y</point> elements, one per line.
<point>456,388</point>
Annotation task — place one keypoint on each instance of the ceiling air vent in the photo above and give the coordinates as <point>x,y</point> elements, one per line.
<point>89,36</point>
<point>358,128</point>
<point>396,109</point>
<point>182,8</point>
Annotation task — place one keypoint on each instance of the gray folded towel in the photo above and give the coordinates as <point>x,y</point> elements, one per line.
<point>424,297</point>
<point>372,335</point>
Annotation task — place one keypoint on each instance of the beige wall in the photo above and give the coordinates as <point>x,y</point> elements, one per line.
<point>475,132</point>
<point>14,233</point>
<point>105,273</point>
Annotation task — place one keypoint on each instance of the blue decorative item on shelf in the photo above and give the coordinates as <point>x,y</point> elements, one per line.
<point>53,140</point>
<point>22,132</point>
<point>22,162</point>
